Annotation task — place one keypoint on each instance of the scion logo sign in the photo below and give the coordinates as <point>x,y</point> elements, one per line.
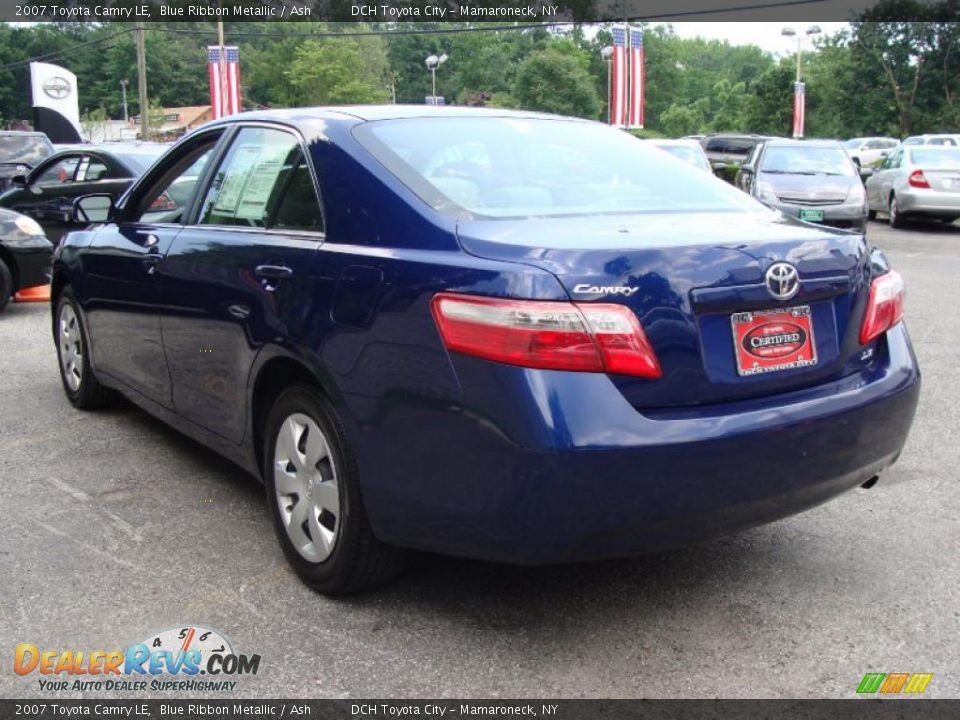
<point>56,87</point>
<point>170,660</point>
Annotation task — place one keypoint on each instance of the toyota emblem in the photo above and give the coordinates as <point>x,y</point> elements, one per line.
<point>56,87</point>
<point>783,280</point>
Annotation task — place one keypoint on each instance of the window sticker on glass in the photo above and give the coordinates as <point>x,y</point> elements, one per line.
<point>234,180</point>
<point>259,184</point>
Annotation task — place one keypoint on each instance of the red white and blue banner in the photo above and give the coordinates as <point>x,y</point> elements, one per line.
<point>618,78</point>
<point>224,80</point>
<point>799,109</point>
<point>635,119</point>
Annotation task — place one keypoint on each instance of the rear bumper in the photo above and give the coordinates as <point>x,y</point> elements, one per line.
<point>539,467</point>
<point>929,202</point>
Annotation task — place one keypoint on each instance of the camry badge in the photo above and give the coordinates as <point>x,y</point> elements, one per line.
<point>783,280</point>
<point>605,289</point>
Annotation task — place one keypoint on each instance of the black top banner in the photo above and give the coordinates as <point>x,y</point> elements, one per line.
<point>448,11</point>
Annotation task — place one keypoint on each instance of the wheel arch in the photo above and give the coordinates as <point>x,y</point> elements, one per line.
<point>273,372</point>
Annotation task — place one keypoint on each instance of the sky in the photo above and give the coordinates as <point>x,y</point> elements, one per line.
<point>765,34</point>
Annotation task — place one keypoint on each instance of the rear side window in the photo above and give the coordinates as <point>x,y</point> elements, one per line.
<point>60,172</point>
<point>263,182</point>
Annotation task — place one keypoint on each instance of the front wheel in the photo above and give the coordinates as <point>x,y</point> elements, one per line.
<point>6,284</point>
<point>73,351</point>
<point>314,498</point>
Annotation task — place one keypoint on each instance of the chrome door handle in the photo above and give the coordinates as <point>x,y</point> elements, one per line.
<point>272,272</point>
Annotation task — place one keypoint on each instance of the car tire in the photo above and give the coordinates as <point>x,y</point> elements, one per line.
<point>314,497</point>
<point>871,214</point>
<point>81,386</point>
<point>896,218</point>
<point>945,221</point>
<point>6,285</point>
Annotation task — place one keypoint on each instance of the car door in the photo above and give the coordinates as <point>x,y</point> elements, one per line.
<point>122,288</point>
<point>888,176</point>
<point>241,274</point>
<point>41,197</point>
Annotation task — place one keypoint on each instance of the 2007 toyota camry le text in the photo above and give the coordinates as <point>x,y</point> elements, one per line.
<point>498,335</point>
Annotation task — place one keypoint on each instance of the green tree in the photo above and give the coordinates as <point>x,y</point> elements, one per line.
<point>557,80</point>
<point>337,71</point>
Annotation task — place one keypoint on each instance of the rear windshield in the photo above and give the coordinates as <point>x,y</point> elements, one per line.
<point>731,146</point>
<point>806,160</point>
<point>947,159</point>
<point>505,167</point>
<point>26,149</point>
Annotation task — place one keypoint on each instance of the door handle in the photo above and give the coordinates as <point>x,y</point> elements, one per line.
<point>151,261</point>
<point>272,272</point>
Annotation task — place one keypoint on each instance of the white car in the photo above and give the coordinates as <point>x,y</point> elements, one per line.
<point>865,151</point>
<point>686,149</point>
<point>945,139</point>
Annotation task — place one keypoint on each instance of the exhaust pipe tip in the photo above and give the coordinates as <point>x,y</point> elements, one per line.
<point>870,483</point>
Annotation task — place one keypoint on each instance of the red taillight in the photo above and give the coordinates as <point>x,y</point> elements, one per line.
<point>589,337</point>
<point>918,180</point>
<point>163,202</point>
<point>884,308</point>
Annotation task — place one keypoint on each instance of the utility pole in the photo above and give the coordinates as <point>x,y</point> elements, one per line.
<point>142,81</point>
<point>123,88</point>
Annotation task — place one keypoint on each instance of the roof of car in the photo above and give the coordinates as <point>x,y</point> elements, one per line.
<point>367,113</point>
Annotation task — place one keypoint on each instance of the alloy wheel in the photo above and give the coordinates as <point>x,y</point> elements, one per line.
<point>308,491</point>
<point>71,347</point>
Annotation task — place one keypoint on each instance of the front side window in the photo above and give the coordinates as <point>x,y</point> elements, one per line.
<point>500,167</point>
<point>59,172</point>
<point>263,182</point>
<point>92,169</point>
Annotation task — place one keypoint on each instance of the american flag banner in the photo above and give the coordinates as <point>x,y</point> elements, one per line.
<point>618,80</point>
<point>636,78</point>
<point>225,88</point>
<point>799,109</point>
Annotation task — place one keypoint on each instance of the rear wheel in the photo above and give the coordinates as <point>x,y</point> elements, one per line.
<point>73,351</point>
<point>314,498</point>
<point>896,219</point>
<point>6,285</point>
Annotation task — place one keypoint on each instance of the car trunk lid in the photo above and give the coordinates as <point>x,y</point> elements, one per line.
<point>685,277</point>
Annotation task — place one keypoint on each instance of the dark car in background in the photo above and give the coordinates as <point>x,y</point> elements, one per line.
<point>47,193</point>
<point>727,152</point>
<point>813,180</point>
<point>488,333</point>
<point>20,152</point>
<point>24,255</point>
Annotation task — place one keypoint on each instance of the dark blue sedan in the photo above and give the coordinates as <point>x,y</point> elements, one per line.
<point>493,334</point>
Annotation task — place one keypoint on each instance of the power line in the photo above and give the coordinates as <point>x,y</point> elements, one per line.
<point>67,51</point>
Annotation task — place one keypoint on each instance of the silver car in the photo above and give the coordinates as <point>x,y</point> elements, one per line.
<point>813,180</point>
<point>865,151</point>
<point>917,181</point>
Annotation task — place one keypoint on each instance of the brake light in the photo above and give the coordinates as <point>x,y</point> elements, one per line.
<point>163,202</point>
<point>918,180</point>
<point>588,337</point>
<point>884,308</point>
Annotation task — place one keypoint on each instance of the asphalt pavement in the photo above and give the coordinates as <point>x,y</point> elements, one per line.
<point>114,527</point>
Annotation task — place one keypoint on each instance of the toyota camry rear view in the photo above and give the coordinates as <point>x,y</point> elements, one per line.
<point>492,334</point>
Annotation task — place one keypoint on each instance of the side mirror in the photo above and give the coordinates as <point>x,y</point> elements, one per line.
<point>718,165</point>
<point>93,209</point>
<point>884,153</point>
<point>18,181</point>
<point>865,172</point>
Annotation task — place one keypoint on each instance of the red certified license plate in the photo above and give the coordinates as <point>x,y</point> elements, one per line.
<point>771,340</point>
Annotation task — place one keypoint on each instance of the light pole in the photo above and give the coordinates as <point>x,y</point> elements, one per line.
<point>790,32</point>
<point>123,88</point>
<point>433,62</point>
<point>607,55</point>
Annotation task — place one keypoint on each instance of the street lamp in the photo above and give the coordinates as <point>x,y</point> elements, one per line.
<point>123,88</point>
<point>433,62</point>
<point>607,55</point>
<point>790,32</point>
